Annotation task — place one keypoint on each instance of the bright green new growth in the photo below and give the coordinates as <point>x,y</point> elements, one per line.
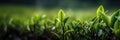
<point>66,28</point>
<point>113,19</point>
<point>63,20</point>
<point>101,14</point>
<point>100,11</point>
<point>116,25</point>
<point>113,22</point>
<point>61,15</point>
<point>117,28</point>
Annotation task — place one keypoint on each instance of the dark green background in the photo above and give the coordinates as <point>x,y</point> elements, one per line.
<point>75,4</point>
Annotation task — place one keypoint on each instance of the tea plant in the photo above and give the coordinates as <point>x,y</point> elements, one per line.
<point>61,27</point>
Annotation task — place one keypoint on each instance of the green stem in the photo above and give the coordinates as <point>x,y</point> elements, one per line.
<point>63,31</point>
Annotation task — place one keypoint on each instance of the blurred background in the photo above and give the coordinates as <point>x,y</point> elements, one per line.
<point>75,8</point>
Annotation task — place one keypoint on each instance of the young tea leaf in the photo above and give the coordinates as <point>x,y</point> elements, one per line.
<point>116,25</point>
<point>101,14</point>
<point>104,18</point>
<point>61,15</point>
<point>100,10</point>
<point>65,20</point>
<point>116,28</point>
<point>113,19</point>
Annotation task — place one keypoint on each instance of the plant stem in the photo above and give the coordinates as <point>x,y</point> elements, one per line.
<point>63,31</point>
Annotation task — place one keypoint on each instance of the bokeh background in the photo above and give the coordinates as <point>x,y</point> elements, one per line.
<point>74,8</point>
<point>74,4</point>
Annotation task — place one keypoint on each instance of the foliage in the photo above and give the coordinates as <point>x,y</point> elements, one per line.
<point>62,27</point>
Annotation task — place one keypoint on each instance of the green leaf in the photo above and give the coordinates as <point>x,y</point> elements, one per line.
<point>68,31</point>
<point>61,15</point>
<point>117,33</point>
<point>57,23</point>
<point>96,28</point>
<point>116,25</point>
<point>104,18</point>
<point>66,19</point>
<point>100,10</point>
<point>93,19</point>
<point>101,14</point>
<point>116,28</point>
<point>113,19</point>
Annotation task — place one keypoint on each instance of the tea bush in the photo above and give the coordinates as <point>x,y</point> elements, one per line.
<point>61,27</point>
